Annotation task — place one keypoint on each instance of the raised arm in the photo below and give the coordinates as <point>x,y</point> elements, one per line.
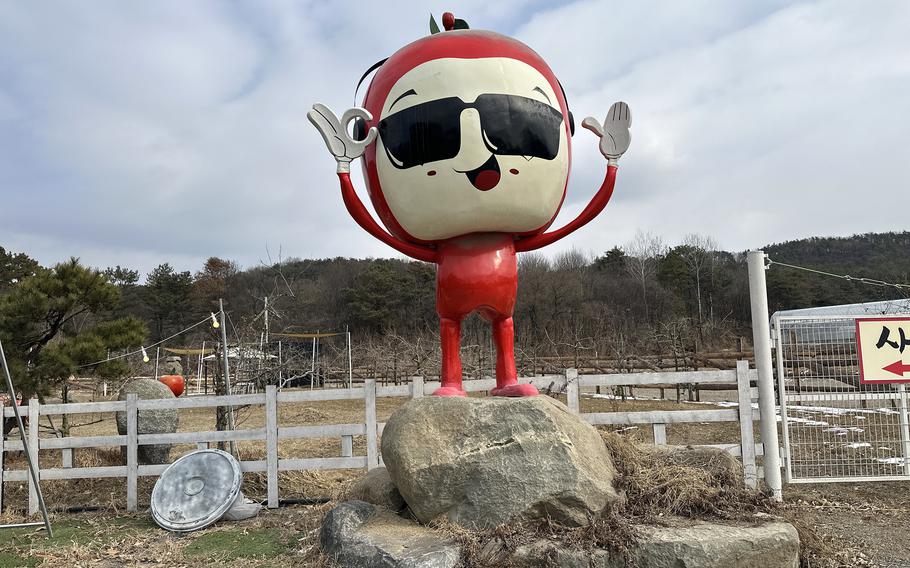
<point>345,149</point>
<point>614,141</point>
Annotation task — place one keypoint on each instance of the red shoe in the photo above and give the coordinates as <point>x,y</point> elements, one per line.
<point>517,389</point>
<point>449,391</point>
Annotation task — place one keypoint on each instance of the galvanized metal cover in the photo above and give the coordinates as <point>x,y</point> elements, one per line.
<point>196,490</point>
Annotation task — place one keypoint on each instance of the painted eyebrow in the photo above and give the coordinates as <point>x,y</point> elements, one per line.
<point>539,90</point>
<point>407,93</point>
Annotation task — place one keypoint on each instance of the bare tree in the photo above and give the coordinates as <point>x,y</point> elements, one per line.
<point>699,258</point>
<point>644,252</point>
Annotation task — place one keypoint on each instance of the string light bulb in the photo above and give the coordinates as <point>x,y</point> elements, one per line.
<point>145,356</point>
<point>215,323</point>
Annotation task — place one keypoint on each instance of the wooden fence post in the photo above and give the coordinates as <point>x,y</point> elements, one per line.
<point>32,449</point>
<point>369,385</point>
<point>660,434</point>
<point>572,393</point>
<point>271,444</point>
<point>416,387</point>
<point>132,453</point>
<point>746,427</point>
<point>66,458</point>
<point>347,446</point>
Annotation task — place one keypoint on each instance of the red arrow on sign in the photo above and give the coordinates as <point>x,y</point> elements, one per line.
<point>898,368</point>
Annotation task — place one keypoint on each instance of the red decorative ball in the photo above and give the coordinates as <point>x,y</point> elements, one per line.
<point>173,382</point>
<point>448,21</point>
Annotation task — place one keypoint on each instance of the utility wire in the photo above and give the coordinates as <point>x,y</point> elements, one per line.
<point>137,351</point>
<point>847,277</point>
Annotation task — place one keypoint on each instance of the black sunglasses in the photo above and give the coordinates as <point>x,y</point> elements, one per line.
<point>431,131</point>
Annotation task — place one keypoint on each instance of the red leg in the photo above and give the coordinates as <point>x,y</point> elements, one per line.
<point>506,375</point>
<point>450,337</point>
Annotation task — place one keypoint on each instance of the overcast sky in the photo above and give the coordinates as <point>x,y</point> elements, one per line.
<point>137,133</point>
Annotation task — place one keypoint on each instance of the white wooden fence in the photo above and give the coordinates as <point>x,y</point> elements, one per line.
<point>570,383</point>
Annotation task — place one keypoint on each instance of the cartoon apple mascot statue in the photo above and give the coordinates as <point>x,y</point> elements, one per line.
<point>466,143</point>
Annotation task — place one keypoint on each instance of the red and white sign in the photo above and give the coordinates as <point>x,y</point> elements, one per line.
<point>883,348</point>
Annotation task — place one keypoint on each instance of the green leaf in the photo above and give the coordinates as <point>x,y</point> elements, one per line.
<point>434,27</point>
<point>460,24</point>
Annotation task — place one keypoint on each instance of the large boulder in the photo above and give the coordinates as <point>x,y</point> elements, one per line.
<point>482,462</point>
<point>163,421</point>
<point>683,544</point>
<point>356,534</point>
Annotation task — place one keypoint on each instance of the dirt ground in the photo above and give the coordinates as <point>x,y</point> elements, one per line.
<point>864,524</point>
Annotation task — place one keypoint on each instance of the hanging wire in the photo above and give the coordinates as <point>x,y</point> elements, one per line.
<point>847,277</point>
<point>140,350</point>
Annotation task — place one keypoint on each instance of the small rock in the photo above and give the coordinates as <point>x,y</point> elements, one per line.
<point>356,534</point>
<point>161,421</point>
<point>482,462</point>
<point>376,487</point>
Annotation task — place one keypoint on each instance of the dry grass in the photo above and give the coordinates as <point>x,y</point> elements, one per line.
<point>658,484</point>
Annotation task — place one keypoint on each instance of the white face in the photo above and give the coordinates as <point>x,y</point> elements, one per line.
<point>482,188</point>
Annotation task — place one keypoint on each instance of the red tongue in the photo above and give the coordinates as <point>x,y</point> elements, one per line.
<point>486,180</point>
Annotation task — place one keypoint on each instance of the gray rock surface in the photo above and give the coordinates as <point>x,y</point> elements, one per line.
<point>688,545</point>
<point>357,534</point>
<point>376,487</point>
<point>482,462</point>
<point>150,421</point>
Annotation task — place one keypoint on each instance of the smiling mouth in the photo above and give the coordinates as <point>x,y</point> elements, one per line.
<point>486,176</point>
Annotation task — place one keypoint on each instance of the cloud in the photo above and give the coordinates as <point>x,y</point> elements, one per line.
<point>135,134</point>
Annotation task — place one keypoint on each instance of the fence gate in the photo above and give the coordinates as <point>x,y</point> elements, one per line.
<point>833,427</point>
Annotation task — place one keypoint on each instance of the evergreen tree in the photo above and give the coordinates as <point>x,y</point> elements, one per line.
<point>56,322</point>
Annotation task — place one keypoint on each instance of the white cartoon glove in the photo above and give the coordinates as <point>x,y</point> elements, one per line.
<point>336,136</point>
<point>614,134</point>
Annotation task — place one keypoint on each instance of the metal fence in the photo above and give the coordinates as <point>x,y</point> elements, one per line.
<point>835,428</point>
<point>744,411</point>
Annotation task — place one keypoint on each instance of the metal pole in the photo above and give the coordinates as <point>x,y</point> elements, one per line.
<point>761,339</point>
<point>32,466</point>
<point>350,364</point>
<point>280,363</point>
<point>157,354</point>
<point>227,376</point>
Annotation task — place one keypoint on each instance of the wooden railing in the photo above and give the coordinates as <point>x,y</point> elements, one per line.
<point>570,383</point>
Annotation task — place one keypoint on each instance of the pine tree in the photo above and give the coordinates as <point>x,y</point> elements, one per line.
<point>57,322</point>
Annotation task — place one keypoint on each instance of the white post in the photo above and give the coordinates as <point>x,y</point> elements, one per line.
<point>227,375</point>
<point>157,355</point>
<point>905,426</point>
<point>347,446</point>
<point>746,423</point>
<point>761,339</point>
<point>369,385</point>
<point>659,432</point>
<point>572,400</point>
<point>132,453</point>
<point>416,387</point>
<point>271,444</point>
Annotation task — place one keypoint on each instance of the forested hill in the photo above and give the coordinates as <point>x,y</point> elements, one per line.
<point>882,256</point>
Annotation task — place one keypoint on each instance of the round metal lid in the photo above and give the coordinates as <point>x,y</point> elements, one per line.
<point>196,490</point>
